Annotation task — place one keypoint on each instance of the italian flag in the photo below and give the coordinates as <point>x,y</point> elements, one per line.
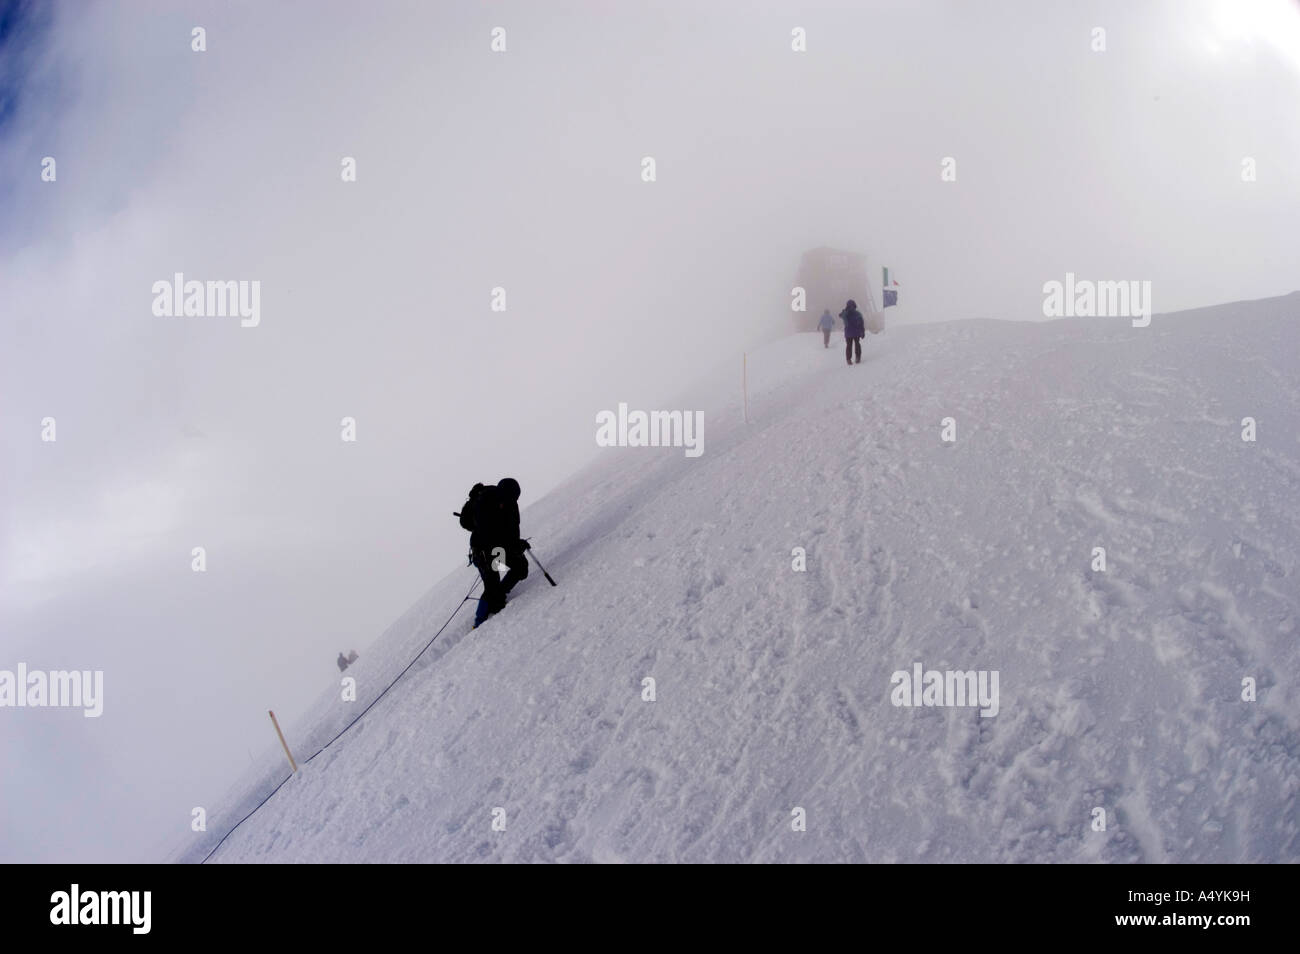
<point>888,295</point>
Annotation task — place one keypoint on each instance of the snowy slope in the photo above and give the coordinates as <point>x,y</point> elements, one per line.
<point>1119,690</point>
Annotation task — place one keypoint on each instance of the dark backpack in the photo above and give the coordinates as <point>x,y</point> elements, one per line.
<point>467,509</point>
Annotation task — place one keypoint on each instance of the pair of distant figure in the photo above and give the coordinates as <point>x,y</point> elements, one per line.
<point>345,661</point>
<point>855,328</point>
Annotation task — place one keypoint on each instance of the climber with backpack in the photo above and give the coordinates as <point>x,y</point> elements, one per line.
<point>491,515</point>
<point>854,330</point>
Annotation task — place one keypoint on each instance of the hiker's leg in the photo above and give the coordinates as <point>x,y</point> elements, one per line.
<point>516,570</point>
<point>493,595</point>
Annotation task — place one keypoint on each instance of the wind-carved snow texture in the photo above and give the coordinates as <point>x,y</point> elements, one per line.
<point>1120,690</point>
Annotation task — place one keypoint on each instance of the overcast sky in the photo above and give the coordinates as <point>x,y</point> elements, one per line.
<point>520,169</point>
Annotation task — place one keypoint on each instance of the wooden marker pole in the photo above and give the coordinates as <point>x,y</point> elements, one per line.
<point>282,742</point>
<point>744,381</point>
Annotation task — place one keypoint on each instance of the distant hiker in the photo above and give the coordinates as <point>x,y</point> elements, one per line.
<point>826,324</point>
<point>491,515</point>
<point>352,657</point>
<point>343,662</point>
<point>854,328</point>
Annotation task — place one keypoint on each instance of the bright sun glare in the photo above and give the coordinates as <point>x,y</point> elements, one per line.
<point>1235,23</point>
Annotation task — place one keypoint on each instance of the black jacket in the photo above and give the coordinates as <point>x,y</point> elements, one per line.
<point>854,326</point>
<point>496,520</point>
